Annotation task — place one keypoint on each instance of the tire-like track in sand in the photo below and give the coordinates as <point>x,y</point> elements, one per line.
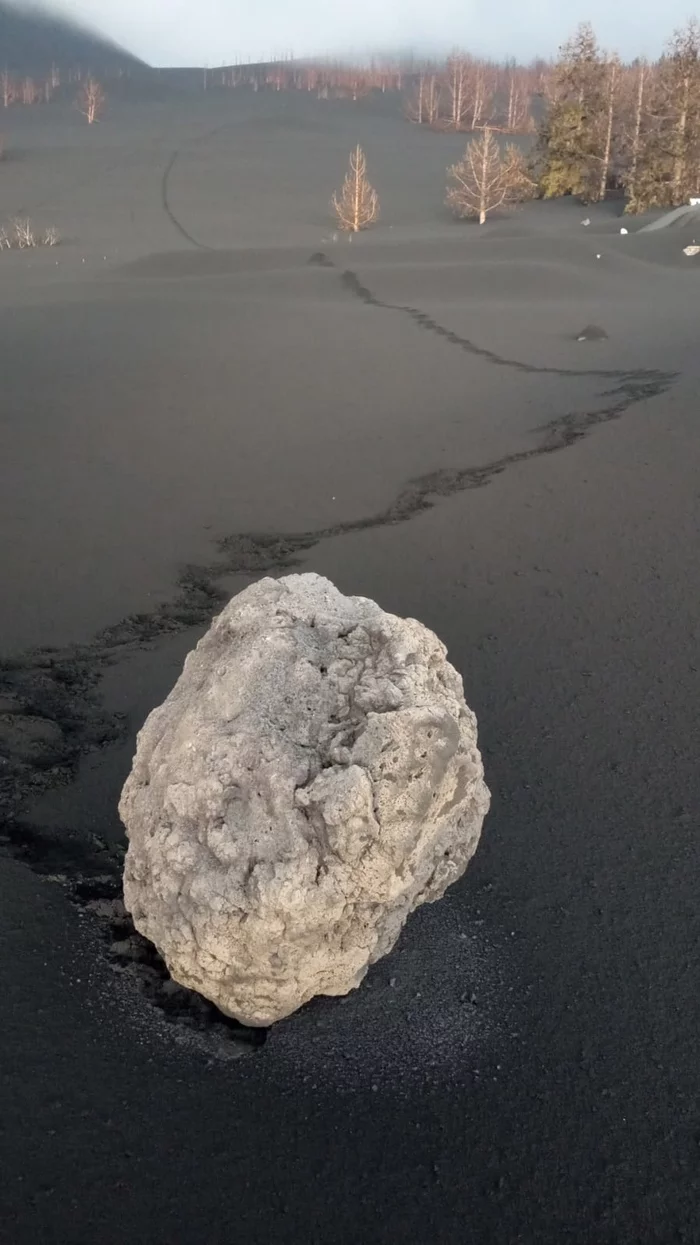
<point>165,198</point>
<point>55,686</point>
<point>165,189</point>
<point>52,714</point>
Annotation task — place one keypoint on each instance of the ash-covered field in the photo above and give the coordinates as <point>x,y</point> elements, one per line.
<point>203,384</point>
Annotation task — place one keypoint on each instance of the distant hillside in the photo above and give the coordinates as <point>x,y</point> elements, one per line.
<point>31,40</point>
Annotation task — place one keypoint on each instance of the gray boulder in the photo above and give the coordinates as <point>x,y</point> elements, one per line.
<point>312,778</point>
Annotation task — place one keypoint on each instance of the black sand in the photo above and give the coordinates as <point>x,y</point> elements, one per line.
<point>188,403</point>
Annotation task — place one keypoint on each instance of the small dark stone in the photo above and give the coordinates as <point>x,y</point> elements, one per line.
<point>592,333</point>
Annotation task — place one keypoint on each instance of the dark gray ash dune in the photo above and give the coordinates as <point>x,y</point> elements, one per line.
<point>201,387</point>
<point>32,39</point>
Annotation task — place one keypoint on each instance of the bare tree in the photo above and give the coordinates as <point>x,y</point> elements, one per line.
<point>357,206</point>
<point>487,178</point>
<point>276,77</point>
<point>30,92</point>
<point>638,82</point>
<point>607,146</point>
<point>456,82</point>
<point>666,154</point>
<point>416,105</point>
<point>21,235</point>
<point>91,100</point>
<point>25,237</point>
<point>355,86</point>
<point>684,90</point>
<point>311,78</point>
<point>422,106</point>
<point>637,130</point>
<point>480,95</point>
<point>8,88</point>
<point>514,103</point>
<point>518,118</point>
<point>432,100</point>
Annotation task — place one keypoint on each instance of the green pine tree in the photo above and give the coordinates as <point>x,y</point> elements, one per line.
<point>571,142</point>
<point>564,154</point>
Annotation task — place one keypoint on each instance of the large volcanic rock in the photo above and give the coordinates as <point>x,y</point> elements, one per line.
<point>311,779</point>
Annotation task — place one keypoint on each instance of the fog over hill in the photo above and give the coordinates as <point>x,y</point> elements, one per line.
<point>32,39</point>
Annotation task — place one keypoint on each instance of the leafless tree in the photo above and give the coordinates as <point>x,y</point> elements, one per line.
<point>456,83</point>
<point>683,84</point>
<point>518,116</point>
<point>664,165</point>
<point>432,100</point>
<point>487,178</point>
<point>356,85</point>
<point>30,91</point>
<point>613,74</point>
<point>309,78</point>
<point>642,75</point>
<point>480,96</point>
<point>415,106</point>
<point>91,100</point>
<point>8,88</point>
<point>423,105</point>
<point>357,205</point>
<point>276,77</point>
<point>473,94</point>
<point>24,235</point>
<point>20,235</point>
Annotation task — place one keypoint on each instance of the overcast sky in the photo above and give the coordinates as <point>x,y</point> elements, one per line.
<point>215,32</point>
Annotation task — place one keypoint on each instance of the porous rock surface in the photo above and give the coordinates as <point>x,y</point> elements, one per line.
<point>311,779</point>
